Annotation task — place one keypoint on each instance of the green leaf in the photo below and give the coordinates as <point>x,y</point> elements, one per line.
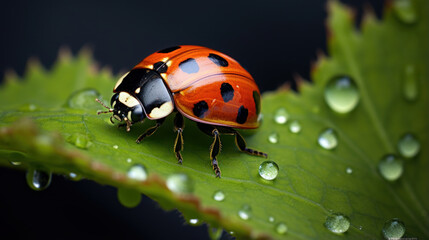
<point>50,122</point>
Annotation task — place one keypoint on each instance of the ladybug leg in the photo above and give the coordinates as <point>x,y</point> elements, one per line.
<point>178,143</point>
<point>241,143</point>
<point>215,147</point>
<point>150,130</point>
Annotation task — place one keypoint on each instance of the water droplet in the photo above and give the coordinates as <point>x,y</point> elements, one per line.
<point>409,146</point>
<point>28,107</point>
<point>268,170</point>
<point>405,11</point>
<point>360,227</point>
<point>129,160</point>
<point>38,179</point>
<point>74,176</point>
<point>391,167</point>
<point>271,219</point>
<point>281,116</point>
<point>129,197</point>
<point>79,140</point>
<point>349,170</point>
<point>295,127</point>
<point>84,99</point>
<point>281,228</point>
<point>393,229</point>
<point>137,172</point>
<point>410,88</point>
<point>115,146</point>
<point>180,183</point>
<point>273,138</point>
<point>15,163</point>
<point>341,94</point>
<point>328,139</point>
<point>193,221</point>
<point>219,196</point>
<point>337,223</point>
<point>245,212</point>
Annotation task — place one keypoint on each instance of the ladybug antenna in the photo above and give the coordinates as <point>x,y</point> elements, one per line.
<point>102,104</point>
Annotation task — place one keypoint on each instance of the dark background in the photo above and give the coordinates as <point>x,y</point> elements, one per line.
<point>273,40</point>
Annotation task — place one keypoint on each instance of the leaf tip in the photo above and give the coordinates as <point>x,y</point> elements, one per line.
<point>64,54</point>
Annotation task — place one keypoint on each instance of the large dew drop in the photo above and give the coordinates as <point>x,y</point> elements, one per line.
<point>410,88</point>
<point>219,196</point>
<point>180,183</point>
<point>38,179</point>
<point>405,11</point>
<point>84,99</point>
<point>281,228</point>
<point>337,223</point>
<point>393,229</point>
<point>268,170</point>
<point>409,146</point>
<point>295,127</point>
<point>245,212</point>
<point>137,172</point>
<point>79,140</point>
<point>328,139</point>
<point>129,197</point>
<point>341,94</point>
<point>391,167</point>
<point>281,116</point>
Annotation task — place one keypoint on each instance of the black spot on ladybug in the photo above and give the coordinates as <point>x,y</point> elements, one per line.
<point>189,66</point>
<point>257,99</point>
<point>242,115</point>
<point>160,67</point>
<point>218,60</point>
<point>227,92</point>
<point>170,49</point>
<point>200,108</point>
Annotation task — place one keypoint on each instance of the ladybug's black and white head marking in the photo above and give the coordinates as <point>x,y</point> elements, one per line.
<point>138,94</point>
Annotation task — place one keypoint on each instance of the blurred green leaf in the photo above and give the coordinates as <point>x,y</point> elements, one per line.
<point>50,122</point>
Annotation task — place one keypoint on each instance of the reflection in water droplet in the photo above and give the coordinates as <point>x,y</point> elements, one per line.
<point>268,170</point>
<point>349,170</point>
<point>137,172</point>
<point>28,108</point>
<point>281,116</point>
<point>337,223</point>
<point>74,176</point>
<point>410,88</point>
<point>281,228</point>
<point>273,138</point>
<point>129,197</point>
<point>38,179</point>
<point>193,221</point>
<point>295,127</point>
<point>393,229</point>
<point>115,146</point>
<point>341,94</point>
<point>180,183</point>
<point>129,160</point>
<point>245,212</point>
<point>79,140</point>
<point>219,196</point>
<point>271,219</point>
<point>405,11</point>
<point>391,167</point>
<point>409,146</point>
<point>328,139</point>
<point>83,99</point>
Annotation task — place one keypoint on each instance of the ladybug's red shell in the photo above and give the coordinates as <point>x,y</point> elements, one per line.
<point>207,86</point>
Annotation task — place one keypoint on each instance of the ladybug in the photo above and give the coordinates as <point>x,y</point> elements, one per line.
<point>202,84</point>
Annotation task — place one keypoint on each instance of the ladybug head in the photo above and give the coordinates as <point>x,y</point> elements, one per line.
<point>124,108</point>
